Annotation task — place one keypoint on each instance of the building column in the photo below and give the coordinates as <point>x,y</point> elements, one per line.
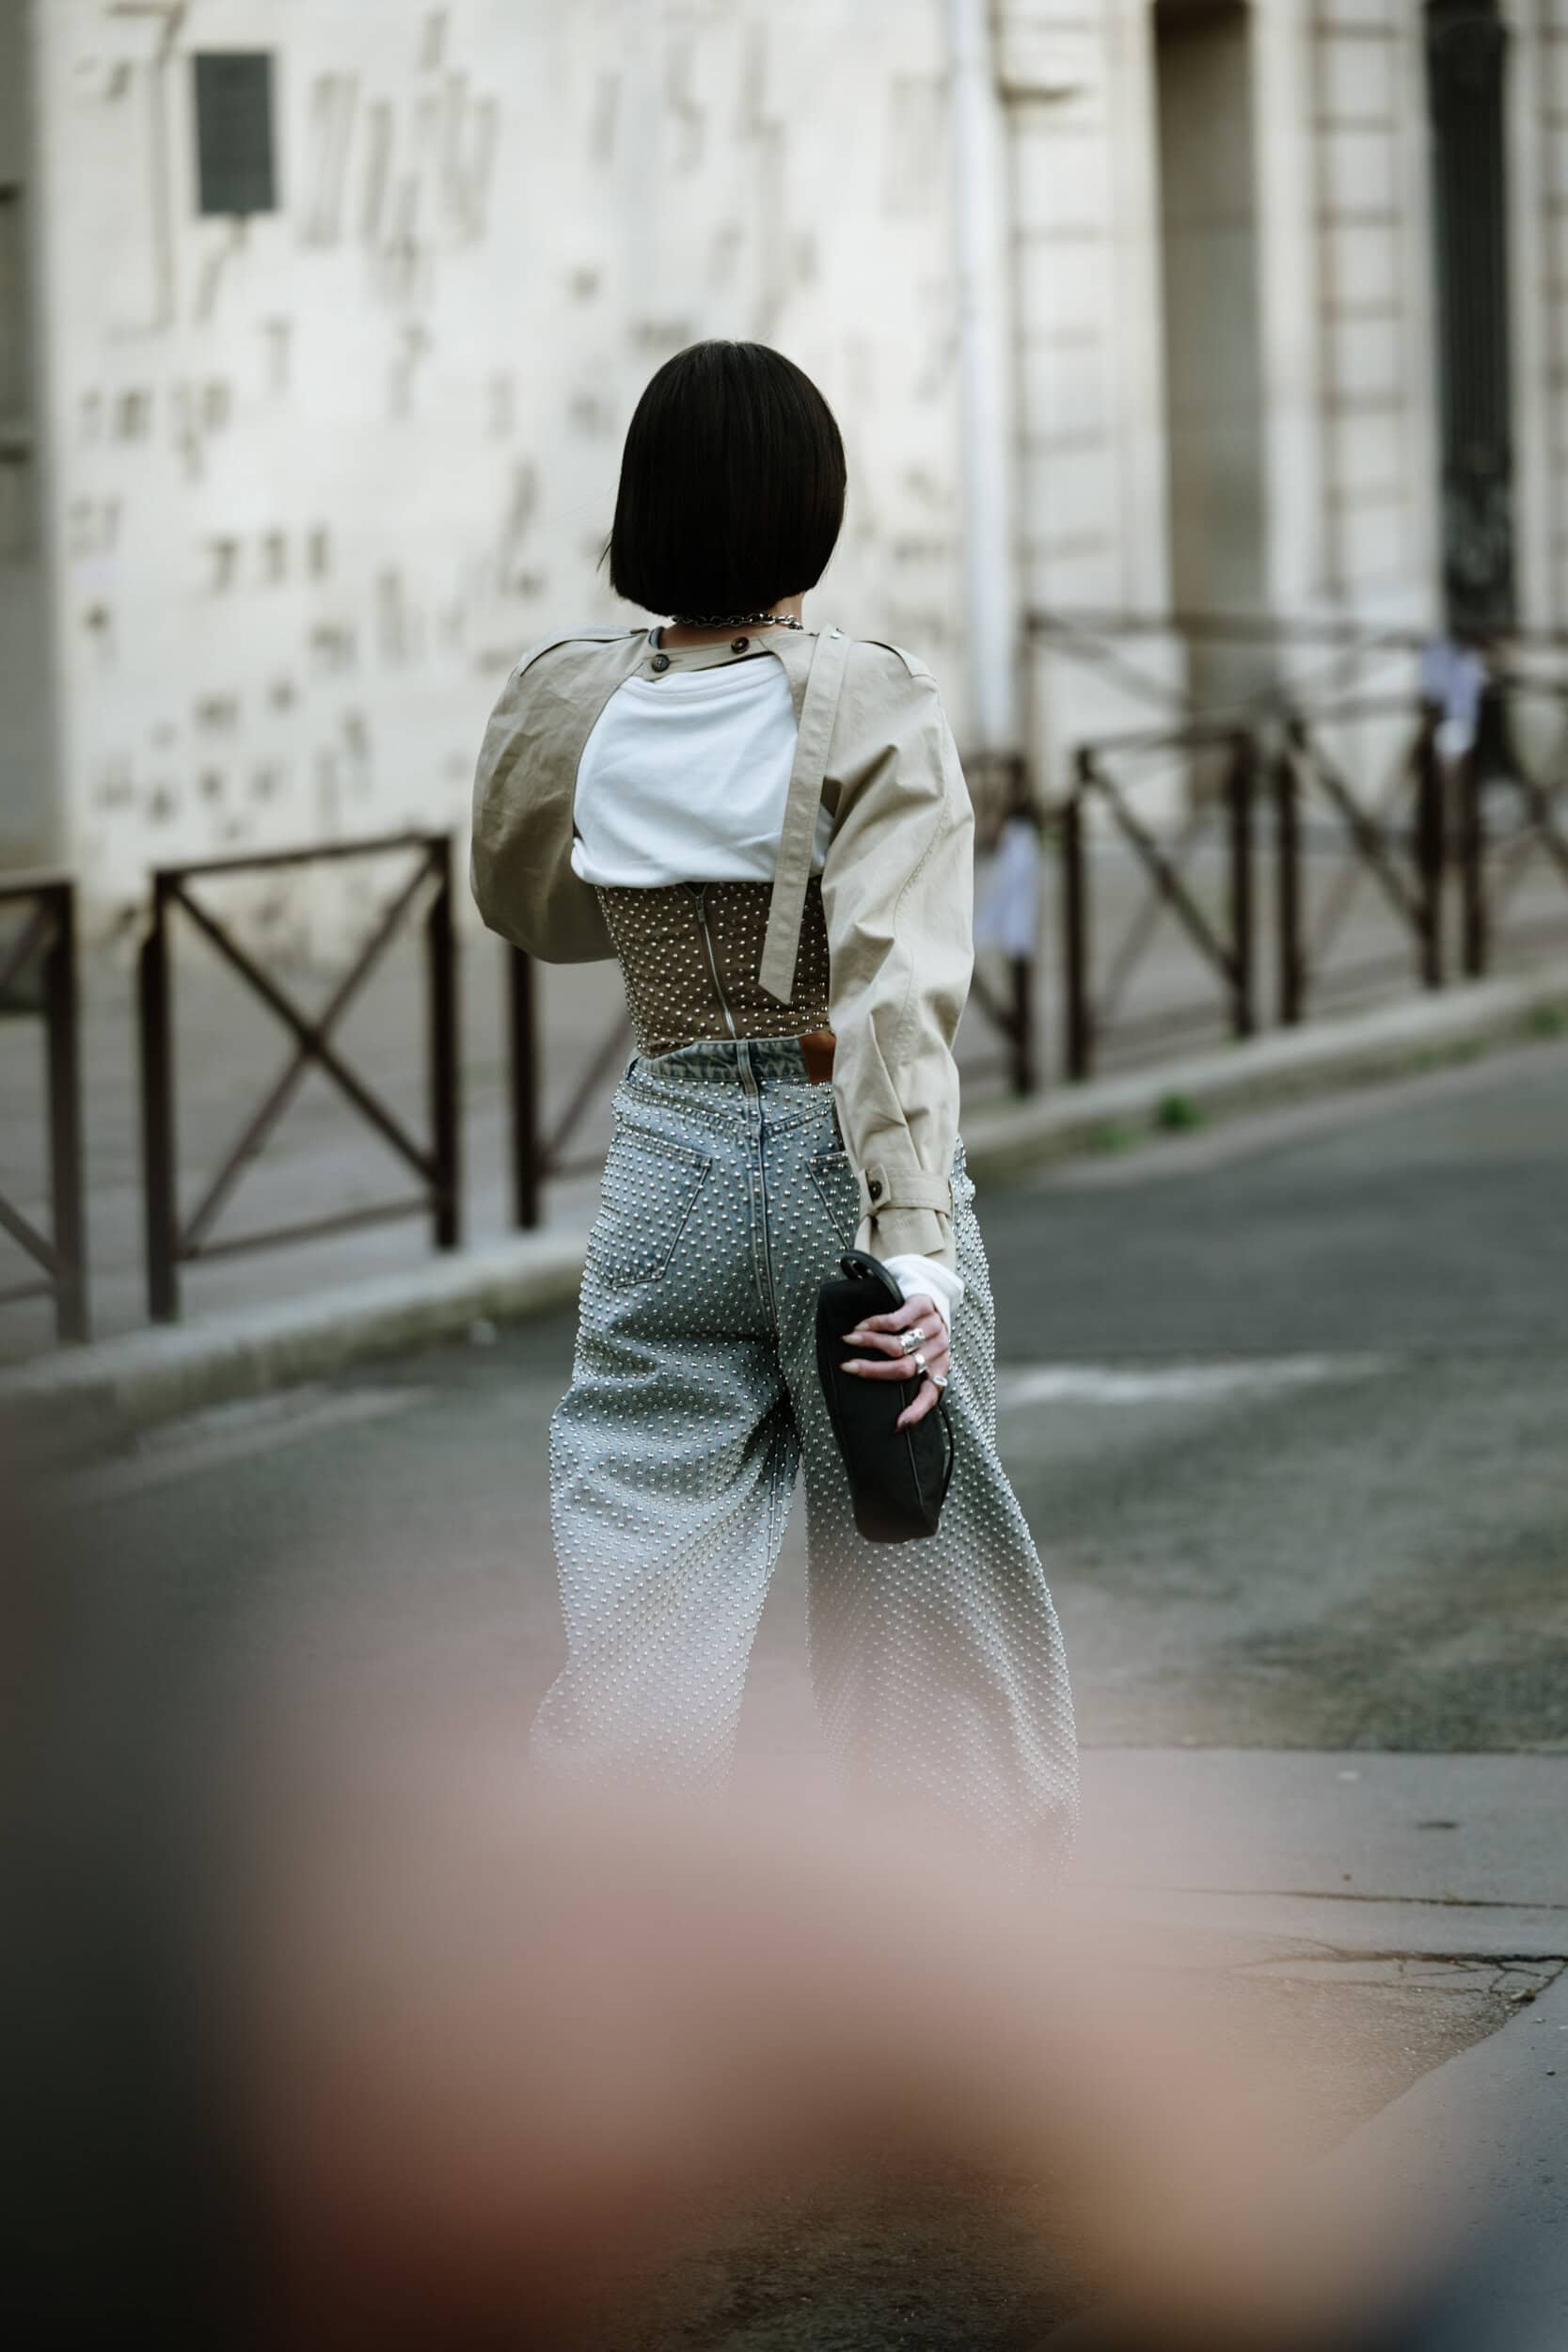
<point>982,232</point>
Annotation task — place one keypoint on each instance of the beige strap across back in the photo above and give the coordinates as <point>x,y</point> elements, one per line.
<point>818,709</point>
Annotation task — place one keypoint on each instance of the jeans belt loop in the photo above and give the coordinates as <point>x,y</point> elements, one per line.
<point>817,1050</point>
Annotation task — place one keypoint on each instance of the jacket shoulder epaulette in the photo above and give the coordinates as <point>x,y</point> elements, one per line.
<point>911,662</point>
<point>591,636</point>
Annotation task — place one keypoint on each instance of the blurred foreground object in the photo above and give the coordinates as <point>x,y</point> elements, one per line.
<point>326,2027</point>
<point>490,2040</point>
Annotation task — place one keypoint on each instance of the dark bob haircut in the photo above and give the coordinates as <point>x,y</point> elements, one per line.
<point>732,485</point>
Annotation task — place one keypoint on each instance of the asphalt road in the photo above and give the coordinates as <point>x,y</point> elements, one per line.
<point>1287,1405</point>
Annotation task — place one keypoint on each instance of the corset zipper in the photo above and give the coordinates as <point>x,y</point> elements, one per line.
<point>699,891</point>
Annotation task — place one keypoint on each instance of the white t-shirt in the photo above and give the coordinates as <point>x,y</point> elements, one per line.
<point>685,779</point>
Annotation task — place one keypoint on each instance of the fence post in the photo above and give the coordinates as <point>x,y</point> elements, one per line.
<point>1075,926</point>
<point>445,1053</point>
<point>1239,793</point>
<point>1026,1076</point>
<point>1430,849</point>
<point>160,1204</point>
<point>1472,866</point>
<point>523,1034</point>
<point>62,1015</point>
<point>1287,815</point>
<point>1024,1066</point>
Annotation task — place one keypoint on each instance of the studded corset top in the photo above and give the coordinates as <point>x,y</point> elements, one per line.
<point>689,953</point>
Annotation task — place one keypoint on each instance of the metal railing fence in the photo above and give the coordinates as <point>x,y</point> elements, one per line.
<point>175,1238</point>
<point>1447,841</point>
<point>1397,841</point>
<point>39,980</point>
<point>1513,820</point>
<point>1221,938</point>
<point>540,1151</point>
<point>1005,982</point>
<point>1260,851</point>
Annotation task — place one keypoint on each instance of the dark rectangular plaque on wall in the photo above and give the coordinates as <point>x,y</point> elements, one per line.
<point>237,168</point>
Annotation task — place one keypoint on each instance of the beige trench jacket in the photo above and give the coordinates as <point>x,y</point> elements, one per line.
<point>897,885</point>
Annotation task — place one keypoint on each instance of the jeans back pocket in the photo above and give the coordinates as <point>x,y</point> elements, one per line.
<point>650,1187</point>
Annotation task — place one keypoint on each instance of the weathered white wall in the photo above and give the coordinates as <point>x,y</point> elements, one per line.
<point>26,783</point>
<point>1079,89</point>
<point>1365,95</point>
<point>317,479</point>
<point>1348,393</point>
<point>1213,346</point>
<point>321,476</point>
<point>1538,191</point>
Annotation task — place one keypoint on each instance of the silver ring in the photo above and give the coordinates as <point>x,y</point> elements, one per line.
<point>937,1379</point>
<point>919,1363</point>
<point>912,1339</point>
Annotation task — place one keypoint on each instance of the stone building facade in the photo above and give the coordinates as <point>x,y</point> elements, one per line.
<point>322,319</point>
<point>1232,261</point>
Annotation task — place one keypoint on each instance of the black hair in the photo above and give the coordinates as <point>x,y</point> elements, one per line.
<point>732,485</point>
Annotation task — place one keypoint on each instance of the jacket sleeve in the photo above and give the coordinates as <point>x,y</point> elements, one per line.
<point>897,891</point>
<point>520,869</point>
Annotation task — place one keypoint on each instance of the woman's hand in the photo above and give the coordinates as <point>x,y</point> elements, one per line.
<point>892,1360</point>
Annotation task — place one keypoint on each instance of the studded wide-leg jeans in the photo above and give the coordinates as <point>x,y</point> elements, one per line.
<point>936,1665</point>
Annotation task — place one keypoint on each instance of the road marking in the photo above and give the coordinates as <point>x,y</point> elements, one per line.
<point>234,1432</point>
<point>1175,1384</point>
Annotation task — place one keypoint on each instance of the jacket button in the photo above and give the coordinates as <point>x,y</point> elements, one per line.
<point>875,1190</point>
<point>738,645</point>
<point>661,662</point>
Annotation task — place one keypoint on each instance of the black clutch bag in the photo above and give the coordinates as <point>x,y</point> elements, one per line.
<point>898,1477</point>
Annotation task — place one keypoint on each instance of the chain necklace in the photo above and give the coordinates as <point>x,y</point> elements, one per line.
<point>734,620</point>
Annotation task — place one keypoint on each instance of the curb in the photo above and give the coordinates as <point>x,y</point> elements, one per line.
<point>87,1397</point>
<point>67,1404</point>
<point>1478,2142</point>
<point>1394,1041</point>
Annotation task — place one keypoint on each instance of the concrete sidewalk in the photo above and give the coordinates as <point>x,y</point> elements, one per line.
<point>1343,1854</point>
<point>1483,2143</point>
<point>1402,1878</point>
<point>77,1398</point>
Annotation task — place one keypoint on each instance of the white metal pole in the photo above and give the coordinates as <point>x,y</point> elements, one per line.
<point>985,333</point>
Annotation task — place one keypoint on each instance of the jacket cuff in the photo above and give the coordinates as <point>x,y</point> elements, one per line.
<point>927,1278</point>
<point>886,1190</point>
<point>908,1234</point>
